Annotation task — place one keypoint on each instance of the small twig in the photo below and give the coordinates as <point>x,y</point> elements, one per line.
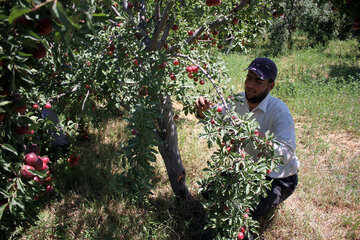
<point>115,11</point>
<point>74,89</point>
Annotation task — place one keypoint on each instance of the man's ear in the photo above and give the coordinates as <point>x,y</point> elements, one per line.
<point>271,85</point>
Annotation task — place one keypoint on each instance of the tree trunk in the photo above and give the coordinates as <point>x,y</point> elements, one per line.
<point>169,150</point>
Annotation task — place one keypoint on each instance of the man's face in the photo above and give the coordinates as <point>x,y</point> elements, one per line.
<point>255,88</point>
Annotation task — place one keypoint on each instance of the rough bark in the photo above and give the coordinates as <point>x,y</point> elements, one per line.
<point>169,150</point>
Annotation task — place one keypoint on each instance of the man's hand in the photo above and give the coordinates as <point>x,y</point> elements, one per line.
<point>202,105</point>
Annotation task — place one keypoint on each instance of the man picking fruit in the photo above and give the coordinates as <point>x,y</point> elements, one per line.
<point>272,115</point>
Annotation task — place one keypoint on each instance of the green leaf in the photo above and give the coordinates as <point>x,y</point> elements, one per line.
<point>4,103</point>
<point>2,209</point>
<point>9,148</point>
<point>247,191</point>
<point>16,12</point>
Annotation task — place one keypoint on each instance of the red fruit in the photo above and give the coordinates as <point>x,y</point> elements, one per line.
<point>268,172</point>
<point>44,26</point>
<point>202,82</point>
<point>25,173</point>
<point>189,69</point>
<point>31,132</point>
<point>175,27</point>
<point>275,15</point>
<point>235,21</point>
<point>31,159</point>
<point>40,51</point>
<point>45,159</point>
<point>215,32</point>
<point>48,105</point>
<point>37,179</point>
<point>112,48</point>
<point>220,108</point>
<point>173,77</point>
<point>35,106</point>
<point>87,86</point>
<point>195,69</point>
<point>212,121</point>
<point>2,117</point>
<point>176,117</point>
<point>110,53</point>
<point>21,130</point>
<point>256,132</point>
<point>135,62</point>
<point>334,9</point>
<point>130,5</point>
<point>176,62</point>
<point>213,2</point>
<point>246,215</point>
<point>240,236</point>
<point>134,131</point>
<point>24,21</point>
<point>190,75</point>
<point>191,32</point>
<point>163,65</point>
<point>242,229</point>
<point>220,47</point>
<point>20,109</point>
<point>196,79</point>
<point>44,166</point>
<point>87,63</point>
<point>228,149</point>
<point>356,27</point>
<point>119,24</point>
<point>49,188</point>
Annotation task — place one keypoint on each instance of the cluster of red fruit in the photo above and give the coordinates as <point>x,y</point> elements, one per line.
<point>213,3</point>
<point>34,162</point>
<point>73,159</point>
<point>192,73</point>
<point>43,27</point>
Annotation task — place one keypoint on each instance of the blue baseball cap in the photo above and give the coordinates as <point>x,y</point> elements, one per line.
<point>264,68</point>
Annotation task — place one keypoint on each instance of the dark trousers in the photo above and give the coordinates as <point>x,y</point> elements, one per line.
<point>281,189</point>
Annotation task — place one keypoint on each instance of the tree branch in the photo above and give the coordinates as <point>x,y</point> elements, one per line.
<point>127,10</point>
<point>159,27</point>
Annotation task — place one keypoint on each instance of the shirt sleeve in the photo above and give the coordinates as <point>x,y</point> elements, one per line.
<point>284,131</point>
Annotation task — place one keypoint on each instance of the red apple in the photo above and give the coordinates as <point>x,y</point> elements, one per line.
<point>172,77</point>
<point>202,82</point>
<point>235,21</point>
<point>48,105</point>
<point>39,52</point>
<point>49,188</point>
<point>22,20</point>
<point>35,106</point>
<point>240,236</point>
<point>175,27</point>
<point>110,53</point>
<point>242,229</point>
<point>220,108</point>
<point>176,116</point>
<point>44,26</point>
<point>176,62</point>
<point>21,130</point>
<point>256,132</point>
<point>215,32</point>
<point>268,172</point>
<point>111,48</point>
<point>25,173</point>
<point>191,32</point>
<point>130,5</point>
<point>212,121</point>
<point>274,14</point>
<point>45,159</point>
<point>20,108</point>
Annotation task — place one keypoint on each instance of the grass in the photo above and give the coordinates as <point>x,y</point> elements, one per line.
<point>320,86</point>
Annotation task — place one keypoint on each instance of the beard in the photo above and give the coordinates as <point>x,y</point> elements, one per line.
<point>258,98</point>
